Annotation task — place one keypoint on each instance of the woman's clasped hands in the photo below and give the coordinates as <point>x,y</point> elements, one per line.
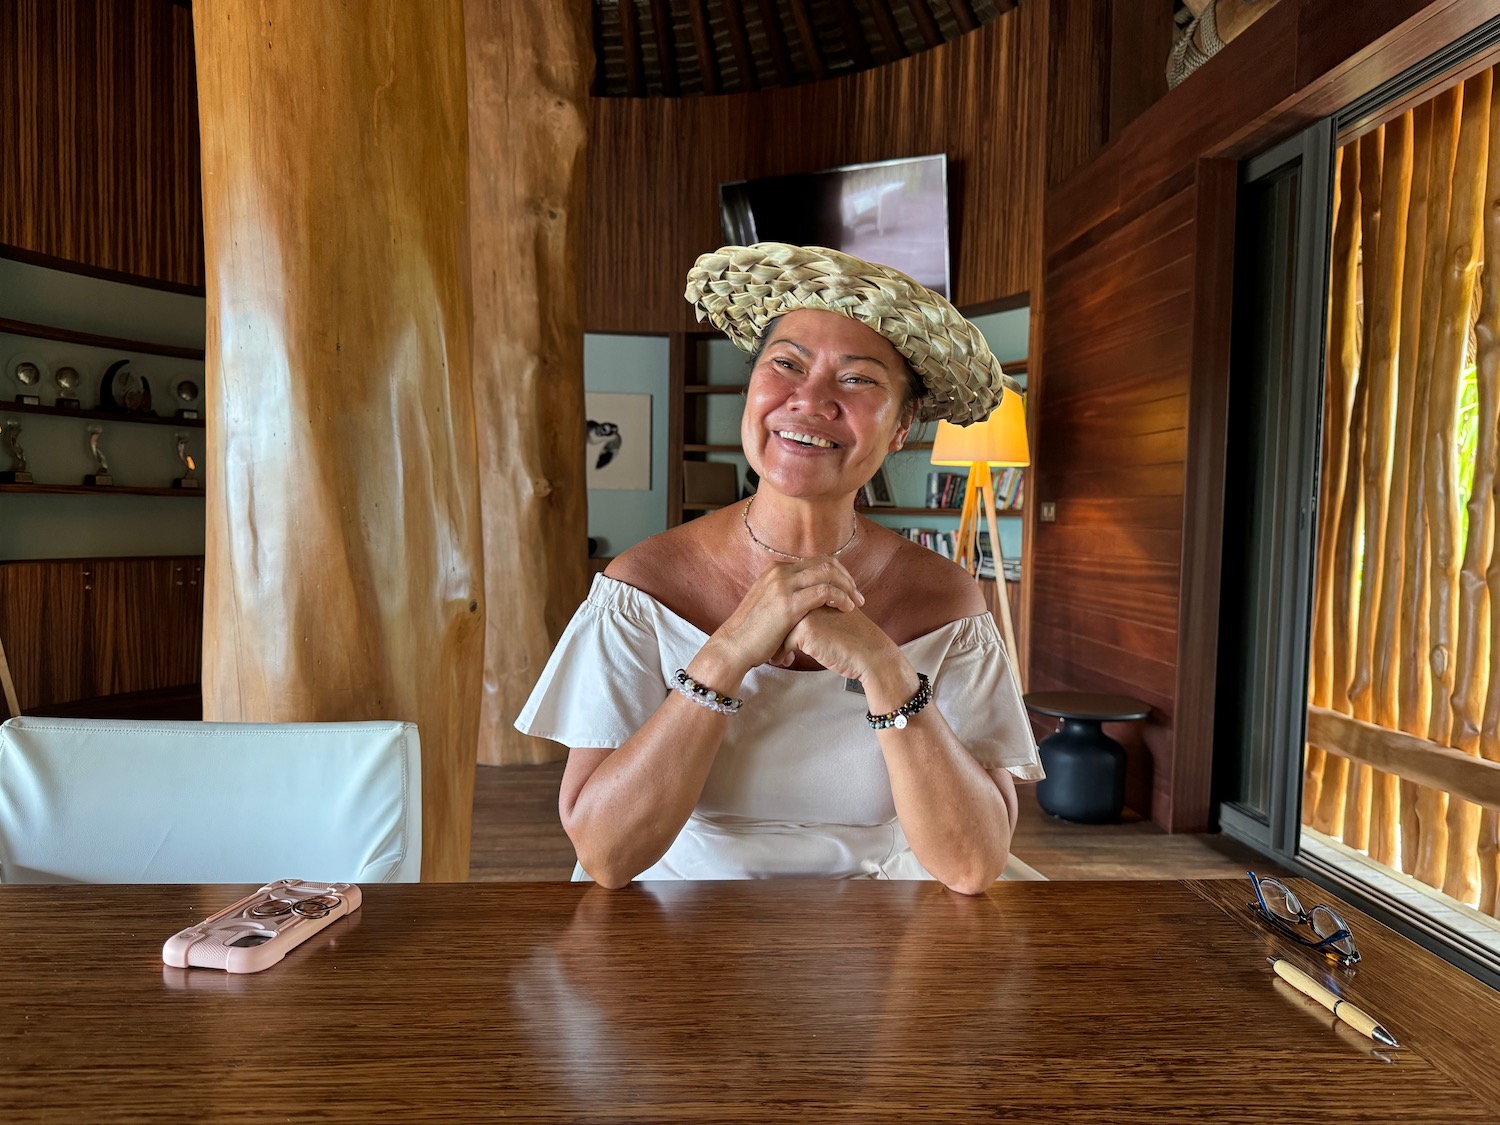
<point>811,607</point>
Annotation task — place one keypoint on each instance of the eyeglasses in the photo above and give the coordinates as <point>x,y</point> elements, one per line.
<point>1276,904</point>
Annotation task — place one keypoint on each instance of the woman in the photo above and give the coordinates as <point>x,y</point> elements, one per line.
<point>783,687</point>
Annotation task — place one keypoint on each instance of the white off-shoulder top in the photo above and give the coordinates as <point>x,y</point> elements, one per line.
<point>799,785</point>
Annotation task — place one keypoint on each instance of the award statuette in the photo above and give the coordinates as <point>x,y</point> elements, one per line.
<point>187,480</point>
<point>28,373</point>
<point>101,479</point>
<point>17,473</point>
<point>187,393</point>
<point>67,380</point>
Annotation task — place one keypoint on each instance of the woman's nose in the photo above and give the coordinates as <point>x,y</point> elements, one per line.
<point>816,397</point>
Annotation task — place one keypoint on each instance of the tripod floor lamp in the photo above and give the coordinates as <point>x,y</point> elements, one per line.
<point>997,442</point>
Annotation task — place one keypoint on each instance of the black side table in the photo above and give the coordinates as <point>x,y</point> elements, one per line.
<point>1085,767</point>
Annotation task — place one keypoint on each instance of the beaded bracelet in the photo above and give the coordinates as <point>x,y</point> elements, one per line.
<point>898,717</point>
<point>704,696</point>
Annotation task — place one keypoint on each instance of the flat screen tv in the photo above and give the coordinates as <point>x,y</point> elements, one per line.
<point>894,212</point>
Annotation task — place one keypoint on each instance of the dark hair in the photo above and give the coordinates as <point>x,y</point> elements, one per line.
<point>914,390</point>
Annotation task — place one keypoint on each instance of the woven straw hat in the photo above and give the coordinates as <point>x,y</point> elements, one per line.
<point>741,289</point>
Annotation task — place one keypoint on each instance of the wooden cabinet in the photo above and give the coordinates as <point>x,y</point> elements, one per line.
<point>87,629</point>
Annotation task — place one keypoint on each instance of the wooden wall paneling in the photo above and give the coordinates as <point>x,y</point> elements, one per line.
<point>183,640</point>
<point>528,68</point>
<point>344,576</point>
<point>1112,446</point>
<point>1078,67</point>
<point>118,612</point>
<point>44,624</point>
<point>1190,807</point>
<point>1140,39</point>
<point>655,166</point>
<point>83,629</point>
<point>1298,62</point>
<point>98,120</point>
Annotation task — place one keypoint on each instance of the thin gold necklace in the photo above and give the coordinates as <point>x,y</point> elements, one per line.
<point>745,515</point>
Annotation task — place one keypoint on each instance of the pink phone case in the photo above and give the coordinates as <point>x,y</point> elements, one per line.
<point>259,930</point>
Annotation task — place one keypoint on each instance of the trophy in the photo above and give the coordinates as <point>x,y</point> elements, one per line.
<point>17,473</point>
<point>187,392</point>
<point>67,380</point>
<point>187,480</point>
<point>28,373</point>
<point>101,479</point>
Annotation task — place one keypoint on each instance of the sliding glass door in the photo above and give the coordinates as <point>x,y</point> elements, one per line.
<point>1361,670</point>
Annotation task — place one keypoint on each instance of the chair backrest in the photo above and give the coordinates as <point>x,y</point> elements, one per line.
<point>107,801</point>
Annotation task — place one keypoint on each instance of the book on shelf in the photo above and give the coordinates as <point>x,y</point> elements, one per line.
<point>987,561</point>
<point>934,540</point>
<point>945,490</point>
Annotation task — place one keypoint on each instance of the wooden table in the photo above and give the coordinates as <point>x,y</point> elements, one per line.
<point>770,1001</point>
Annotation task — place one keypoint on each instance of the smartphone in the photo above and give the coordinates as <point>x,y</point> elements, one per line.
<point>260,929</point>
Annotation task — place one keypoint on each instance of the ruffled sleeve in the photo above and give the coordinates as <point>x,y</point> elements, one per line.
<point>602,682</point>
<point>978,695</point>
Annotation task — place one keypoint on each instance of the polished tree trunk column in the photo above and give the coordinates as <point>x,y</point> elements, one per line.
<point>344,576</point>
<point>529,66</point>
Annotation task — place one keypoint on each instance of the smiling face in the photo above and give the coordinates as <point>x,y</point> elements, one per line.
<point>828,399</point>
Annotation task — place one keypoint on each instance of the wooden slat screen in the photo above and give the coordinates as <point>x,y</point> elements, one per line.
<point>1404,629</point>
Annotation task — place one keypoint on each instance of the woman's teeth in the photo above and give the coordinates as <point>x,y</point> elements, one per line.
<point>805,439</point>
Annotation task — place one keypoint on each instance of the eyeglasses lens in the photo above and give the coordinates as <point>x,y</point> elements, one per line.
<point>1280,901</point>
<point>1326,923</point>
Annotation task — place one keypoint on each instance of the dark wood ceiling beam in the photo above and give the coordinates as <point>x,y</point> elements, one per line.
<point>963,12</point>
<point>703,40</point>
<point>854,35</point>
<point>809,40</point>
<point>781,59</point>
<point>890,35</point>
<point>666,48</point>
<point>733,12</point>
<point>926,22</point>
<point>630,37</point>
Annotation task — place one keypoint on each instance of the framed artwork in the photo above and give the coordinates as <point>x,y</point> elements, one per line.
<point>617,446</point>
<point>879,490</point>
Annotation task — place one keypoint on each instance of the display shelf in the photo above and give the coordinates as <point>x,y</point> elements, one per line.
<point>100,415</point>
<point>110,490</point>
<point>116,343</point>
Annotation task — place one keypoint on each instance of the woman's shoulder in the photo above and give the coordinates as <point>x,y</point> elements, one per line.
<point>657,566</point>
<point>928,591</point>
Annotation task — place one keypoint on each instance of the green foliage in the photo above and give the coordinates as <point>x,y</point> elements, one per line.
<point>1468,441</point>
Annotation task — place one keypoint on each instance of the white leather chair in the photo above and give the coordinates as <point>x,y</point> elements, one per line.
<point>108,801</point>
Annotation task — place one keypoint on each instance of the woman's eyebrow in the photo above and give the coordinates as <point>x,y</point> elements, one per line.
<point>842,359</point>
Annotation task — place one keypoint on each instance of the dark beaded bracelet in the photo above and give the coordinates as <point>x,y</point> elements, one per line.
<point>898,717</point>
<point>704,695</point>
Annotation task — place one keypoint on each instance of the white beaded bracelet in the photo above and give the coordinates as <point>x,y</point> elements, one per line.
<point>702,695</point>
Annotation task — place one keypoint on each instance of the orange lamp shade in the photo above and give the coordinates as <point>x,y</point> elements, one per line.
<point>999,440</point>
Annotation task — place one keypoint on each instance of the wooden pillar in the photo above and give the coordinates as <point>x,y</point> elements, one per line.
<point>529,63</point>
<point>344,576</point>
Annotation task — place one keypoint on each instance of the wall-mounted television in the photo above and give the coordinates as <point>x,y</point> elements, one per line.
<point>894,212</point>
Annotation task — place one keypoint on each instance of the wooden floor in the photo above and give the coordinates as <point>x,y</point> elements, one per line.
<point>517,837</point>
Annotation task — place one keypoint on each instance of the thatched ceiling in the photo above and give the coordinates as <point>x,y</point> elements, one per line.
<point>670,48</point>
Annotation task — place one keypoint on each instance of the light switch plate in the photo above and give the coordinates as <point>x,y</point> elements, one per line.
<point>1048,513</point>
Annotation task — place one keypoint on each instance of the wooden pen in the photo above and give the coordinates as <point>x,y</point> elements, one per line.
<point>1359,1020</point>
